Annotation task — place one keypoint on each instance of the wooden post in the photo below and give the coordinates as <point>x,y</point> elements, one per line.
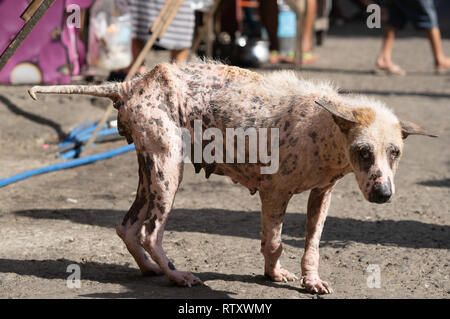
<point>203,29</point>
<point>301,9</point>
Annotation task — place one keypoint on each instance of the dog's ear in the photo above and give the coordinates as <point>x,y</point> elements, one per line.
<point>410,128</point>
<point>342,116</point>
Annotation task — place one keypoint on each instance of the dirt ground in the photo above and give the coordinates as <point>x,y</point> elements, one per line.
<point>68,217</point>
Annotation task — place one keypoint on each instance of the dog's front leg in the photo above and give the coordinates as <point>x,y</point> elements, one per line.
<point>273,211</point>
<point>318,203</point>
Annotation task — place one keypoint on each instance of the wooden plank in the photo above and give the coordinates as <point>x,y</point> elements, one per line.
<point>31,9</point>
<point>161,13</point>
<point>210,37</point>
<point>23,33</point>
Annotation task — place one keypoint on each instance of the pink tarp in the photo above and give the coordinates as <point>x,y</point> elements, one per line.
<point>51,53</point>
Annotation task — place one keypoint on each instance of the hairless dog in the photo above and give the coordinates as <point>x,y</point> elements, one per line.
<point>322,136</point>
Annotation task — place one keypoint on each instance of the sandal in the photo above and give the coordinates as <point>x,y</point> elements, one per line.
<point>275,57</point>
<point>289,59</point>
<point>308,57</point>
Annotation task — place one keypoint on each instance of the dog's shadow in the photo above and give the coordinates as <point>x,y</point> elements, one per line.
<point>436,183</point>
<point>338,231</point>
<point>137,286</point>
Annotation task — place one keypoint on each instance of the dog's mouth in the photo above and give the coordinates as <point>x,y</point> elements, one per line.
<point>380,193</point>
<point>380,201</point>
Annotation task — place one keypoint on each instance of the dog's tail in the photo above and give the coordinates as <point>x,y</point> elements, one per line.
<point>114,91</point>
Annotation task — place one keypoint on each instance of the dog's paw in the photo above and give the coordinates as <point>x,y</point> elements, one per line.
<point>282,275</point>
<point>184,279</point>
<point>313,284</point>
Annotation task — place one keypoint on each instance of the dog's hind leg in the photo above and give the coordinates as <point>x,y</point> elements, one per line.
<point>129,228</point>
<point>149,196</point>
<point>162,170</point>
<point>273,211</point>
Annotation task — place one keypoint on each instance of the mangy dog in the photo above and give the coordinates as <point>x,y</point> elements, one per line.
<point>322,137</point>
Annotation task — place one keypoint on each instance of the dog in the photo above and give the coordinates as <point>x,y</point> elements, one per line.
<point>323,135</point>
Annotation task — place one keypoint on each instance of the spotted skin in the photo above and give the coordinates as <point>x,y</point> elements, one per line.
<point>322,137</point>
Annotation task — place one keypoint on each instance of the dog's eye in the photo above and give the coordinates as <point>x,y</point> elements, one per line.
<point>395,153</point>
<point>364,153</point>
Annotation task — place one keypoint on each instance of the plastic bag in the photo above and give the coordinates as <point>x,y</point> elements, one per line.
<point>110,35</point>
<point>201,5</point>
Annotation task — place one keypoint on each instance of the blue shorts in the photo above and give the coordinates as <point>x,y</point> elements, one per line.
<point>421,13</point>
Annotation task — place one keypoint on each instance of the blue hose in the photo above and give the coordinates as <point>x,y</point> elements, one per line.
<point>77,135</point>
<point>77,132</point>
<point>75,152</point>
<point>68,164</point>
<point>79,128</point>
<point>72,153</point>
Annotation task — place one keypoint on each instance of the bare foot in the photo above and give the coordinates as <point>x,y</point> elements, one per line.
<point>313,284</point>
<point>281,274</point>
<point>184,278</point>
<point>443,65</point>
<point>389,67</point>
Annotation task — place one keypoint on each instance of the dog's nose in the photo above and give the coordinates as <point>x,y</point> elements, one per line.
<point>380,193</point>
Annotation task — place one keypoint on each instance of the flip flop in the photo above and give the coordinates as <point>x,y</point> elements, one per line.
<point>393,70</point>
<point>275,57</point>
<point>308,57</point>
<point>289,59</point>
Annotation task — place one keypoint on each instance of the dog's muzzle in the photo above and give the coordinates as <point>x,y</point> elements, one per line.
<point>380,193</point>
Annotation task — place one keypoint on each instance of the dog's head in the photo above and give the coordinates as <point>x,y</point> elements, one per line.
<point>374,145</point>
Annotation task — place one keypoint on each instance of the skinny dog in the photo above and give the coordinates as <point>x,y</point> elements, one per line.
<point>322,137</point>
